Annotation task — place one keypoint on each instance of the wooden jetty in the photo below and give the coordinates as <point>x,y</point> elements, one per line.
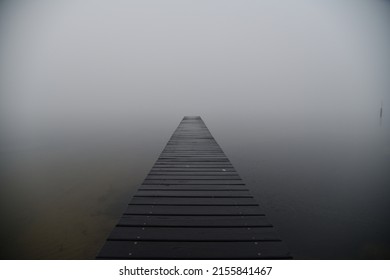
<point>193,205</point>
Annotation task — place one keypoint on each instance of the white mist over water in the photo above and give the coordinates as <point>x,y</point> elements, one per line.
<point>92,90</point>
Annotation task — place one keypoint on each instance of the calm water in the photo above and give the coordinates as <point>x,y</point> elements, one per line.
<point>325,188</point>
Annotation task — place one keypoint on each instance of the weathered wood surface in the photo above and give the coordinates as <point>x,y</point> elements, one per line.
<point>193,205</point>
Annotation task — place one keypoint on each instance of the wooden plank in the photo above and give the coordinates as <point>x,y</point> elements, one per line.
<point>194,221</point>
<point>193,170</point>
<point>192,177</point>
<point>193,173</point>
<point>193,152</point>
<point>196,193</point>
<point>194,187</point>
<point>190,142</point>
<point>181,210</point>
<point>199,152</point>
<point>192,155</point>
<point>192,165</point>
<point>194,250</point>
<point>193,182</point>
<point>191,159</point>
<point>194,234</point>
<point>193,201</point>
<point>192,149</point>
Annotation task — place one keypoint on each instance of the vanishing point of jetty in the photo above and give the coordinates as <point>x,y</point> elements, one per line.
<point>193,205</point>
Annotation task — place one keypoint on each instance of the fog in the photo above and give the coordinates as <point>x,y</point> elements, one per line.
<point>92,90</point>
<point>99,61</point>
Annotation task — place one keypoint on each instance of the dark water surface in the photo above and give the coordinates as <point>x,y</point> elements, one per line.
<point>325,187</point>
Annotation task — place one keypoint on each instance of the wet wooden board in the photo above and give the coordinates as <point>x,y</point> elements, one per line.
<point>205,210</point>
<point>192,170</point>
<point>117,249</point>
<point>194,221</point>
<point>194,234</point>
<point>216,181</point>
<point>193,205</point>
<point>193,164</point>
<point>195,193</point>
<point>192,173</point>
<point>234,201</point>
<point>194,187</point>
<point>192,177</point>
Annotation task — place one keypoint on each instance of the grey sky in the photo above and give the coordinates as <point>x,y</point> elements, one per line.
<point>89,61</point>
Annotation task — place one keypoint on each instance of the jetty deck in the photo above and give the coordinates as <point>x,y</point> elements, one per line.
<point>193,205</point>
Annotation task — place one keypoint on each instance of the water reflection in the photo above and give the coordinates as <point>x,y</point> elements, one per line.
<point>326,193</point>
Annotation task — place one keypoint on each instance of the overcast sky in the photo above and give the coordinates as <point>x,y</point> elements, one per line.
<point>87,61</point>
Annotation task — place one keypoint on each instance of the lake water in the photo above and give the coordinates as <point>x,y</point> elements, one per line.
<point>325,188</point>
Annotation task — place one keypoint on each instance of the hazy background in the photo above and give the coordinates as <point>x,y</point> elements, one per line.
<point>90,92</point>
